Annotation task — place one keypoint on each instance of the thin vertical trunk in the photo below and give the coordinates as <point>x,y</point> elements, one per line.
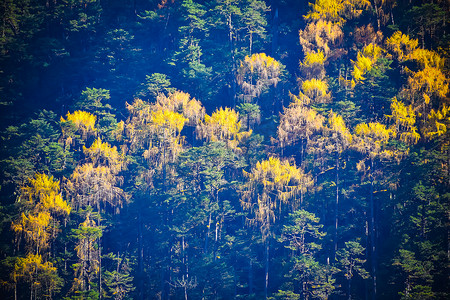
<point>350,288</point>
<point>266,283</point>
<point>275,33</point>
<point>141,260</point>
<point>373,235</point>
<point>99,268</point>
<point>233,67</point>
<point>208,228</point>
<point>336,211</point>
<point>377,14</point>
<point>250,277</point>
<point>215,240</point>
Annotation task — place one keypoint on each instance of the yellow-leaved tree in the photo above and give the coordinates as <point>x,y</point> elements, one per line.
<point>39,225</point>
<point>297,124</point>
<point>80,122</point>
<point>222,125</point>
<point>256,74</point>
<point>371,140</point>
<point>274,188</point>
<point>336,11</point>
<point>404,122</point>
<point>154,130</point>
<point>365,62</point>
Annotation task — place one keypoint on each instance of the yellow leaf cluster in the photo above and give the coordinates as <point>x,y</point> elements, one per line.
<point>336,10</point>
<point>44,191</point>
<point>404,118</point>
<point>365,61</point>
<point>31,265</point>
<point>102,153</point>
<point>439,121</point>
<point>337,126</point>
<point>312,58</point>
<point>256,73</point>
<point>83,121</point>
<point>157,127</point>
<point>168,119</point>
<point>298,122</point>
<point>272,184</point>
<point>181,103</point>
<point>261,62</point>
<point>370,138</point>
<point>319,35</point>
<point>401,45</point>
<point>35,227</point>
<point>427,58</point>
<point>316,89</point>
<point>222,125</point>
<point>431,80</point>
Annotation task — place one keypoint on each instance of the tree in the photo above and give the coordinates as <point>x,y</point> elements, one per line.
<point>314,279</point>
<point>272,189</point>
<point>350,259</point>
<point>371,139</point>
<point>222,125</point>
<point>297,124</point>
<point>87,247</point>
<point>256,74</point>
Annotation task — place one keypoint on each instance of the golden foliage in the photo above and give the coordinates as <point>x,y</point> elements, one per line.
<point>30,266</point>
<point>260,62</point>
<point>272,184</point>
<point>427,82</point>
<point>336,10</point>
<point>156,128</point>
<point>168,119</point>
<point>316,90</point>
<point>427,58</point>
<point>256,73</point>
<point>401,45</point>
<point>370,139</point>
<point>365,62</point>
<point>83,121</point>
<point>222,125</point>
<point>180,102</point>
<point>35,228</point>
<point>101,153</point>
<point>44,192</point>
<point>339,131</point>
<point>404,119</point>
<point>298,122</point>
<point>320,36</point>
<point>93,186</point>
<point>312,58</point>
<point>431,81</point>
<point>438,122</point>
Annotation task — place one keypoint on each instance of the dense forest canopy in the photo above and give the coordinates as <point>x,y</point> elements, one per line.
<point>224,149</point>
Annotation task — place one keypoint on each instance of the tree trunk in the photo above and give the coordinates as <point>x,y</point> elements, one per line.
<point>141,260</point>
<point>336,212</point>
<point>373,236</point>
<point>208,228</point>
<point>266,283</point>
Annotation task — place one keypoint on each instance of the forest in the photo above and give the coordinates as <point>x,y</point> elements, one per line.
<point>225,149</point>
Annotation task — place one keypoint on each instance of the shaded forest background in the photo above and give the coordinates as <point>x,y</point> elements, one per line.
<point>224,149</point>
